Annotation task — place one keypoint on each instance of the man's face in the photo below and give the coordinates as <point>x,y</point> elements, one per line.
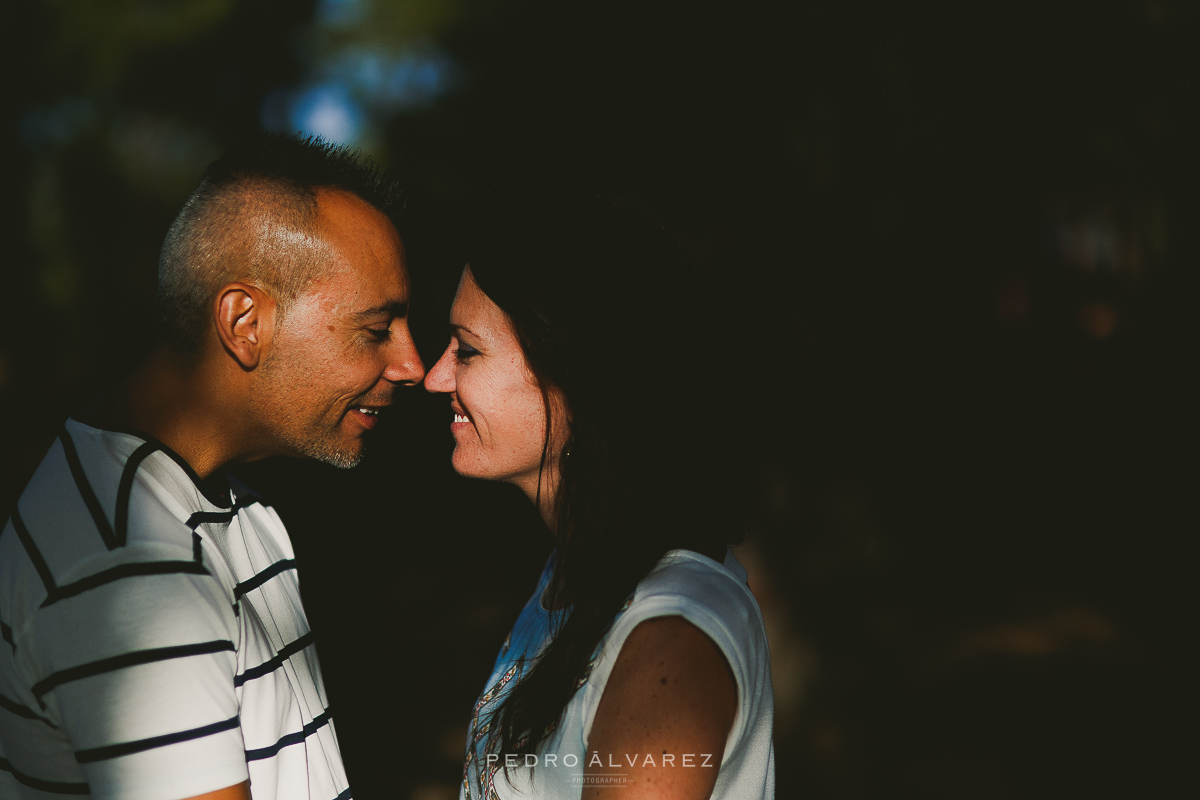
<point>343,346</point>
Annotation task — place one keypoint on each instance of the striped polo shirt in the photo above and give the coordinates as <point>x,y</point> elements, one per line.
<point>154,643</point>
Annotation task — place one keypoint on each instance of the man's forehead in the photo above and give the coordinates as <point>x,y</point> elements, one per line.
<point>353,224</point>
<point>335,202</point>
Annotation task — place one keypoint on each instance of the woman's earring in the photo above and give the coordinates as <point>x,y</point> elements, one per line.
<point>567,449</point>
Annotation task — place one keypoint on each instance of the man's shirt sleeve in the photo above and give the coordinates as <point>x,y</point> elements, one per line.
<point>136,666</point>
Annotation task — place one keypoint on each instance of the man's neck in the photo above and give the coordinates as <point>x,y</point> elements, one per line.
<point>189,408</point>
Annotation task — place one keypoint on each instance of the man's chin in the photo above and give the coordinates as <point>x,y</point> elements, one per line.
<point>344,462</point>
<point>343,458</point>
<point>341,455</point>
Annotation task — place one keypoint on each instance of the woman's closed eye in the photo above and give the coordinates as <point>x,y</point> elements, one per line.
<point>464,353</point>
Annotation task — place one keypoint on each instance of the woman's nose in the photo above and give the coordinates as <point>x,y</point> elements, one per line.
<point>440,378</point>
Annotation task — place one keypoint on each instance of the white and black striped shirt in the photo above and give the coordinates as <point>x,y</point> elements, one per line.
<point>154,643</point>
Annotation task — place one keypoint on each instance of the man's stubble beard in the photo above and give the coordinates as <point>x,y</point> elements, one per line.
<point>273,405</point>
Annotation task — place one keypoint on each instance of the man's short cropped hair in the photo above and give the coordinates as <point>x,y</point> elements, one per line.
<point>243,222</point>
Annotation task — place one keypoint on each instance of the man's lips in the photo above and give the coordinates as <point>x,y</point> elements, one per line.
<point>367,414</point>
<point>367,417</point>
<point>372,405</point>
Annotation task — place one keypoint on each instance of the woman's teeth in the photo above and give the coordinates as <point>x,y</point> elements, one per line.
<point>459,418</point>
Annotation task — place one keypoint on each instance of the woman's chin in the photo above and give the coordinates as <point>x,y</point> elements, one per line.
<point>466,467</point>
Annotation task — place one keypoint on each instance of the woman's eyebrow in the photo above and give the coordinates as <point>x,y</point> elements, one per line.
<point>455,328</point>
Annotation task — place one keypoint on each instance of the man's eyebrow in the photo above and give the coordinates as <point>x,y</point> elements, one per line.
<point>397,310</point>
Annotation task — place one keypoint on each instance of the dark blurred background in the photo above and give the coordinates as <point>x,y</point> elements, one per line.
<point>953,243</point>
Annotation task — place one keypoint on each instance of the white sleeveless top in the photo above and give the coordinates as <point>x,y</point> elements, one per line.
<point>715,598</point>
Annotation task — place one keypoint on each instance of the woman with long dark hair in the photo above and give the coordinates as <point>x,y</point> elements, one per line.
<point>587,366</point>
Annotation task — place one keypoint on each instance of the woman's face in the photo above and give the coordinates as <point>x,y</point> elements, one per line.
<point>499,423</point>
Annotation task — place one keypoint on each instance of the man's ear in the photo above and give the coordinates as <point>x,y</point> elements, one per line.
<point>245,317</point>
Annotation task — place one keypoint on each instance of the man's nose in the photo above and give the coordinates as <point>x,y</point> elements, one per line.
<point>404,363</point>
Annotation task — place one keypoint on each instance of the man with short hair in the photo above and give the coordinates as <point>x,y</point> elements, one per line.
<point>154,644</point>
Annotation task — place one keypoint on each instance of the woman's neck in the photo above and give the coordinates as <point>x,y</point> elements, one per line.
<point>546,509</point>
<point>542,491</point>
